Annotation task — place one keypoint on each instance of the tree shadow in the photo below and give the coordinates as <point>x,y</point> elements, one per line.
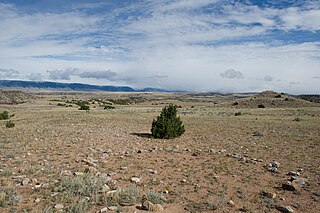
<point>142,135</point>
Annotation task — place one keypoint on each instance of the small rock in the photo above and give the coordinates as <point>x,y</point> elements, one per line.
<point>105,188</point>
<point>59,206</point>
<point>231,203</point>
<point>292,173</point>
<point>268,194</point>
<point>285,209</point>
<point>113,208</point>
<point>105,209</point>
<point>54,194</point>
<point>148,206</point>
<point>290,186</point>
<point>273,169</point>
<point>153,171</point>
<point>257,133</point>
<point>25,181</point>
<point>65,173</point>
<point>299,182</point>
<point>135,180</point>
<point>37,200</point>
<point>183,180</point>
<point>275,164</point>
<point>78,173</point>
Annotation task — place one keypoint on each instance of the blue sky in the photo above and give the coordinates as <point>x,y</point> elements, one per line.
<point>203,45</point>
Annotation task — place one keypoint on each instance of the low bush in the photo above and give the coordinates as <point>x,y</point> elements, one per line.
<point>4,115</point>
<point>8,197</point>
<point>261,106</point>
<point>84,107</point>
<point>10,124</point>
<point>155,197</point>
<point>108,107</point>
<point>168,124</point>
<point>237,113</point>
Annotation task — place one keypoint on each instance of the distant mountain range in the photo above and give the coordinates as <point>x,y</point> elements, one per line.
<point>44,85</point>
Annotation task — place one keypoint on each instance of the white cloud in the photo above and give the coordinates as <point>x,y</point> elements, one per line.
<point>62,74</point>
<point>168,44</point>
<point>8,73</point>
<point>231,73</point>
<point>35,77</point>
<point>97,74</point>
<point>268,78</point>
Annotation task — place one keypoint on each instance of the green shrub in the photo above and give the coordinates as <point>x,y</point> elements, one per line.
<point>155,197</point>
<point>108,107</point>
<point>168,124</point>
<point>8,197</point>
<point>124,197</point>
<point>10,124</point>
<point>4,115</point>
<point>237,113</point>
<point>84,107</point>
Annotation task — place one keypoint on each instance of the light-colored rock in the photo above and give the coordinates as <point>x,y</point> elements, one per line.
<point>135,180</point>
<point>292,173</point>
<point>105,188</point>
<point>25,181</point>
<point>148,206</point>
<point>231,203</point>
<point>78,173</point>
<point>284,209</point>
<point>59,206</point>
<point>153,171</point>
<point>113,208</point>
<point>37,200</point>
<point>105,209</point>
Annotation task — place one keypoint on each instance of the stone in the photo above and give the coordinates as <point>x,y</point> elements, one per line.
<point>153,171</point>
<point>289,186</point>
<point>25,181</point>
<point>148,206</point>
<point>231,203</point>
<point>135,180</point>
<point>275,164</point>
<point>292,173</point>
<point>285,209</point>
<point>113,208</point>
<point>257,133</point>
<point>105,209</point>
<point>59,206</point>
<point>37,200</point>
<point>269,194</point>
<point>90,162</point>
<point>65,173</point>
<point>105,188</point>
<point>299,182</point>
<point>273,169</point>
<point>78,173</point>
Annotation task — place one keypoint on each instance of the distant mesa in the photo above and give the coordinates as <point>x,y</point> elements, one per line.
<point>14,97</point>
<point>55,86</point>
<point>268,94</point>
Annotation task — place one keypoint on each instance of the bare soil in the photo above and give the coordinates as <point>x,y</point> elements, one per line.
<point>218,159</point>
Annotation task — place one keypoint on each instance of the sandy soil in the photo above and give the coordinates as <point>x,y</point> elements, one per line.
<point>218,165</point>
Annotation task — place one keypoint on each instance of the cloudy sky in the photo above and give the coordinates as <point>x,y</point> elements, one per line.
<point>194,45</point>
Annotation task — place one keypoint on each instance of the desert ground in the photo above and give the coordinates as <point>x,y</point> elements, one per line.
<point>60,159</point>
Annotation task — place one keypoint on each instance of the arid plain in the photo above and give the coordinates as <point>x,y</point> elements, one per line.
<point>60,159</point>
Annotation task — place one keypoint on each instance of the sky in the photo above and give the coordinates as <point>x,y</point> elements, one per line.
<point>191,45</point>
